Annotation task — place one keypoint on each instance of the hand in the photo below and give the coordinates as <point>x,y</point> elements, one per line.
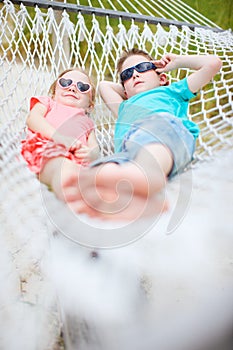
<point>166,63</point>
<point>86,154</point>
<point>71,143</point>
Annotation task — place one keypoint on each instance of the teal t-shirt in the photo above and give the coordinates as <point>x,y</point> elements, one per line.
<point>172,99</point>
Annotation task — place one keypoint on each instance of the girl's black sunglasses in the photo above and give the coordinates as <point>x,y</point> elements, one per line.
<point>140,67</point>
<point>82,87</point>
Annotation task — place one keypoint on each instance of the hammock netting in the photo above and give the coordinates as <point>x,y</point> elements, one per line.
<point>39,39</point>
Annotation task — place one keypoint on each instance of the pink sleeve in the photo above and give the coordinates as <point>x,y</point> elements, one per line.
<point>45,100</point>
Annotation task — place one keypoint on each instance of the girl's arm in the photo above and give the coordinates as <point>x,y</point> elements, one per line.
<point>91,151</point>
<point>93,145</point>
<point>112,95</point>
<point>37,123</point>
<point>206,67</point>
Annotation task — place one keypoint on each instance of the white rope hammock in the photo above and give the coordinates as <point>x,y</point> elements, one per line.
<point>36,43</point>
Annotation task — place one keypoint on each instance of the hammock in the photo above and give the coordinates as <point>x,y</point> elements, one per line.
<point>37,44</point>
<point>39,39</point>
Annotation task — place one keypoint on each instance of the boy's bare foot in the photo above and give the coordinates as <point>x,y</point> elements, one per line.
<point>124,209</point>
<point>102,193</point>
<point>109,191</point>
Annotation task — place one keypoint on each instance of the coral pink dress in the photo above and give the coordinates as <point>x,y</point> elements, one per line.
<point>69,121</point>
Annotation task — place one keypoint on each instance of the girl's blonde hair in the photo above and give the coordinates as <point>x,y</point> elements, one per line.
<point>52,89</point>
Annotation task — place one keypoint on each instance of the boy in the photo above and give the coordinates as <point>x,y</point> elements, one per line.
<point>154,140</point>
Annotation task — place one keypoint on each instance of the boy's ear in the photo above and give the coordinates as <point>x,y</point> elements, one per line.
<point>125,93</point>
<point>163,79</point>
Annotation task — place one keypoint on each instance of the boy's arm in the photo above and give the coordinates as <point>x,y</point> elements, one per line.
<point>112,95</point>
<point>206,67</point>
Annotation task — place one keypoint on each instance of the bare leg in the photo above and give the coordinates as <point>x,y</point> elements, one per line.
<point>146,175</point>
<point>56,173</point>
<point>112,191</point>
<point>122,192</point>
<point>118,202</point>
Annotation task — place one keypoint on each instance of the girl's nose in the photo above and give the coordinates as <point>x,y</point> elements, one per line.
<point>73,87</point>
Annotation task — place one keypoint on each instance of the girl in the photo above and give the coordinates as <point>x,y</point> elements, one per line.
<point>61,136</point>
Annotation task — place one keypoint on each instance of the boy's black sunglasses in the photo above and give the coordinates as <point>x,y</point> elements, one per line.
<point>140,67</point>
<point>82,87</point>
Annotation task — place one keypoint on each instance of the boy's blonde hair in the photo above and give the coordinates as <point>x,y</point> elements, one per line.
<point>131,52</point>
<point>52,88</point>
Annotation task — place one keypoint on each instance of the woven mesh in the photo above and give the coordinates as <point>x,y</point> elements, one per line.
<point>36,44</point>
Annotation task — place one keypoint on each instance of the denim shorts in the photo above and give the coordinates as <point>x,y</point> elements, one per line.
<point>161,128</point>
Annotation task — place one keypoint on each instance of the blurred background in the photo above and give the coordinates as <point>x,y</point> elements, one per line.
<point>218,11</point>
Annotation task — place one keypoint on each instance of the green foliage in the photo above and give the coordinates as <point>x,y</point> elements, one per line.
<point>218,11</point>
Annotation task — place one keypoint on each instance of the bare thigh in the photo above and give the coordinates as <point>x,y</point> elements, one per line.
<point>57,172</point>
<point>157,162</point>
